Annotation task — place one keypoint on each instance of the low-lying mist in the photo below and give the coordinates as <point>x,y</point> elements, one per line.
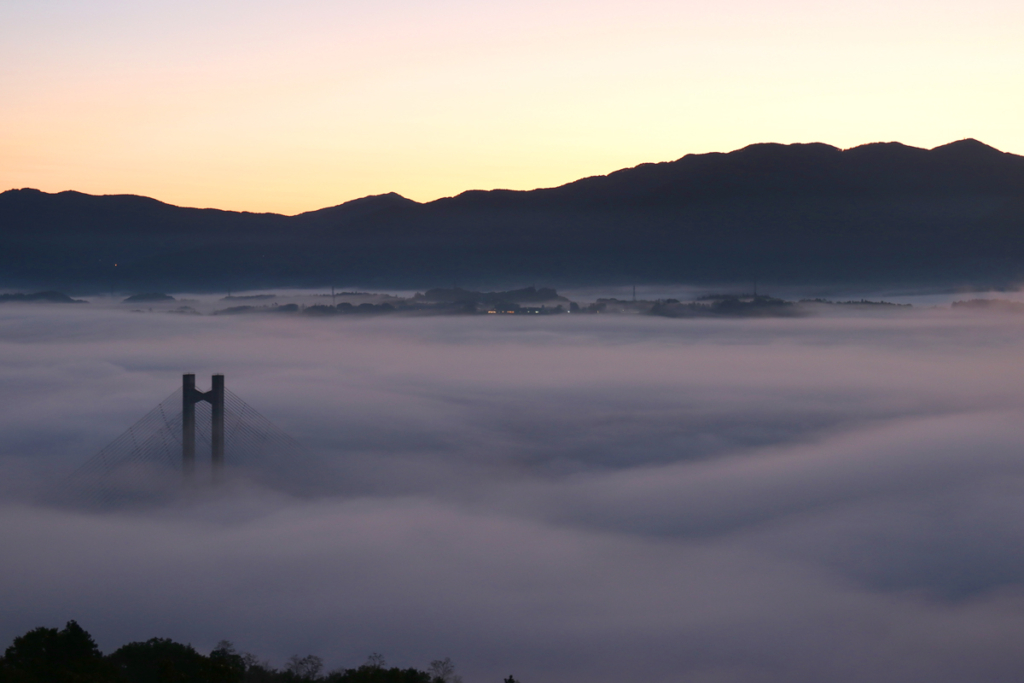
<point>563,498</point>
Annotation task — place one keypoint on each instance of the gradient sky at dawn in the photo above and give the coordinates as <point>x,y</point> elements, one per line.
<point>288,107</point>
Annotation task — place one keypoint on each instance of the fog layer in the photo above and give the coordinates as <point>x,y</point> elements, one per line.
<point>569,498</point>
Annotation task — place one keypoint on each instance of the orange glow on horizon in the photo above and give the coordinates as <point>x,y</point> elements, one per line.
<point>263,108</point>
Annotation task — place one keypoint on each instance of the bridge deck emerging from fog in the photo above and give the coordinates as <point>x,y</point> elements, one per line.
<point>166,451</point>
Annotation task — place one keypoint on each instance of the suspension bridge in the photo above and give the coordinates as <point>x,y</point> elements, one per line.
<point>188,442</point>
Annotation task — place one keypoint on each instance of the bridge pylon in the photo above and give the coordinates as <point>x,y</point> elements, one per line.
<point>190,396</point>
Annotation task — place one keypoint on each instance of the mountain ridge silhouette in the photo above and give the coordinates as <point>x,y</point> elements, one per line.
<point>811,212</point>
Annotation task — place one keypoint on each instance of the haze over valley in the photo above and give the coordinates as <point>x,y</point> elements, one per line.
<point>571,498</point>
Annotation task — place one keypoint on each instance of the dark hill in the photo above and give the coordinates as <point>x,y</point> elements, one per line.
<point>357,209</point>
<point>40,297</point>
<point>882,213</point>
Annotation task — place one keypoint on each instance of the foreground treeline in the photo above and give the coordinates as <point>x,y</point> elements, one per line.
<point>70,655</point>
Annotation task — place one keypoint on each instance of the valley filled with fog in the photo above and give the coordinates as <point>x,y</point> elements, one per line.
<point>570,498</point>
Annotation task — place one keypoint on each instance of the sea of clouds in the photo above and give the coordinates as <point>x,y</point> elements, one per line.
<point>565,498</point>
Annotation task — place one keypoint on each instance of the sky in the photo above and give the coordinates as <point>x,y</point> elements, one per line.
<point>567,499</point>
<point>289,107</point>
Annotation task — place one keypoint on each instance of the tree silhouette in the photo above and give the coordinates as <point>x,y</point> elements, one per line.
<point>306,668</point>
<point>46,655</point>
<point>443,671</point>
<point>70,655</point>
<point>226,663</point>
<point>161,660</point>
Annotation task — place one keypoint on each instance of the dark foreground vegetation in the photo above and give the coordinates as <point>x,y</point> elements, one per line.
<point>70,655</point>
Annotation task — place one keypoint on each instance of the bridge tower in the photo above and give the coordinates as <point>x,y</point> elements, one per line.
<point>190,396</point>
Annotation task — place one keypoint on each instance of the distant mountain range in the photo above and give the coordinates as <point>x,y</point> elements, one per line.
<point>806,213</point>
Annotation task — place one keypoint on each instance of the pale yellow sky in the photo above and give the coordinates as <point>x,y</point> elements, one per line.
<point>263,106</point>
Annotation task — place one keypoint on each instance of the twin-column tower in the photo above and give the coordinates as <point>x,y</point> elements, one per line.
<point>190,396</point>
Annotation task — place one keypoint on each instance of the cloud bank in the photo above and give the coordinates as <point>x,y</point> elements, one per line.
<point>564,499</point>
